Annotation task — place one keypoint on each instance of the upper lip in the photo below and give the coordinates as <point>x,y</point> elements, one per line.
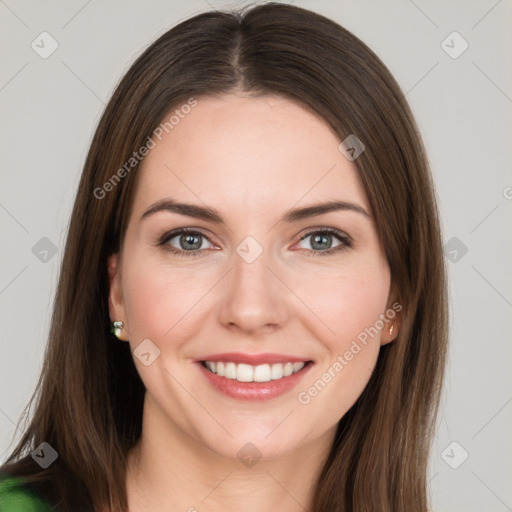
<point>253,359</point>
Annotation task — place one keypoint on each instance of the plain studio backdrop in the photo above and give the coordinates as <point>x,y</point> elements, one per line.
<point>60,63</point>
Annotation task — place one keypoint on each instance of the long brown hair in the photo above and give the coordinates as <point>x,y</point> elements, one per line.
<point>88,402</point>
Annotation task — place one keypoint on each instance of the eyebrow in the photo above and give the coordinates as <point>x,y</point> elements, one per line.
<point>210,214</point>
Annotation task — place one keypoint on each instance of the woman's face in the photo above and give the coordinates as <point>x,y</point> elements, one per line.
<point>256,284</point>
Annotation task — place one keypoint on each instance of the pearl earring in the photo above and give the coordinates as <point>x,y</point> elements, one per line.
<point>117,328</point>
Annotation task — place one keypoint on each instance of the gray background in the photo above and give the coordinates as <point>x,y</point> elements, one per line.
<point>50,108</point>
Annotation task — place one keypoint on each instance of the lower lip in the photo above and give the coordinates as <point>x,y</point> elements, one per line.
<point>255,390</point>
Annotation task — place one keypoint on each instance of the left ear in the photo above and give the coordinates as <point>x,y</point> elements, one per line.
<point>391,322</point>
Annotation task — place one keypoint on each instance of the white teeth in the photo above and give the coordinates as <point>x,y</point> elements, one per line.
<point>288,369</point>
<point>277,371</point>
<point>230,371</point>
<point>247,373</point>
<point>297,367</point>
<point>262,373</point>
<point>244,373</point>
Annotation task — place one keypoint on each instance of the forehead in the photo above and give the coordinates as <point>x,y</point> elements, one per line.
<point>248,154</point>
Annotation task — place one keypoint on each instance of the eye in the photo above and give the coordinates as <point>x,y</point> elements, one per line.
<point>322,239</point>
<point>189,242</point>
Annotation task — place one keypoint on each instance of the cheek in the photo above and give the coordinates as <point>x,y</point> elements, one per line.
<point>157,299</point>
<point>348,304</point>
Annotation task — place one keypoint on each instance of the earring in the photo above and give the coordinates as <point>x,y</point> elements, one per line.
<point>391,330</point>
<point>116,329</point>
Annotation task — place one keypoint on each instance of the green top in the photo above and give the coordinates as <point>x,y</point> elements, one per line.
<point>14,497</point>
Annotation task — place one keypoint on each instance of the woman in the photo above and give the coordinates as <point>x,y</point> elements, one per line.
<point>201,356</point>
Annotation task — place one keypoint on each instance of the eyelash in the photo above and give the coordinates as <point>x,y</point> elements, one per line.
<point>345,239</point>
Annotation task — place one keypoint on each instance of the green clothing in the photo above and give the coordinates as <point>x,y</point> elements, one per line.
<point>14,497</point>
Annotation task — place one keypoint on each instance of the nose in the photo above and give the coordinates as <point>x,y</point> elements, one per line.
<point>254,298</point>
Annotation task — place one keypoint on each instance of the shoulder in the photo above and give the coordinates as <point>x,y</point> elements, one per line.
<point>15,497</point>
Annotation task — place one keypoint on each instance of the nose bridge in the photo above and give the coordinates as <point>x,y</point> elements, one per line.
<point>254,297</point>
<point>250,266</point>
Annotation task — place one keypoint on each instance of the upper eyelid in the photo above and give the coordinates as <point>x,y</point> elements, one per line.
<point>179,231</point>
<point>329,230</point>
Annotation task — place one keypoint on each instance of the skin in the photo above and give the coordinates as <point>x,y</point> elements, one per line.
<point>252,159</point>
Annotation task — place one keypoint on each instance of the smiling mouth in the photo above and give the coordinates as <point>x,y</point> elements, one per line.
<point>248,373</point>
